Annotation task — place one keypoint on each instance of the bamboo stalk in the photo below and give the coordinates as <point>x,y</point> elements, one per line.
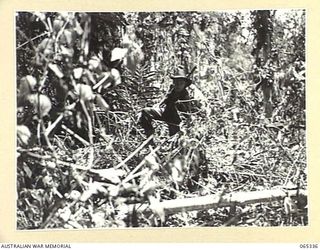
<point>218,200</point>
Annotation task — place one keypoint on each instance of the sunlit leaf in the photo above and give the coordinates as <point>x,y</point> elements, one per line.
<point>157,208</point>
<point>75,224</point>
<point>289,205</point>
<point>46,47</point>
<point>98,219</point>
<point>110,174</point>
<point>40,15</point>
<point>78,28</point>
<point>27,170</point>
<point>23,134</point>
<point>77,72</point>
<point>65,214</point>
<point>148,188</point>
<point>66,51</point>
<point>95,64</point>
<point>178,169</point>
<point>41,104</point>
<point>116,76</point>
<point>152,162</point>
<point>114,190</point>
<point>118,54</point>
<point>27,85</point>
<point>93,188</point>
<point>126,41</point>
<point>75,195</point>
<point>68,37</point>
<point>84,91</point>
<point>55,68</point>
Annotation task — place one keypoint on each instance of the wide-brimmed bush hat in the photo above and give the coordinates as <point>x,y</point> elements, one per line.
<point>180,74</point>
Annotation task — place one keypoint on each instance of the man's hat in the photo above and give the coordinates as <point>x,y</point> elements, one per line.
<point>181,75</point>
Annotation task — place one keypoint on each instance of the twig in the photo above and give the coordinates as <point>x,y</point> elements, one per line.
<point>83,141</point>
<point>32,39</point>
<point>100,82</point>
<point>291,167</point>
<point>40,157</point>
<point>89,121</point>
<point>132,175</point>
<point>134,152</point>
<point>53,125</point>
<point>47,139</point>
<point>289,156</point>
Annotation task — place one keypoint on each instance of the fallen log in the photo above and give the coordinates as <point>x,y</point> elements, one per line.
<point>217,200</point>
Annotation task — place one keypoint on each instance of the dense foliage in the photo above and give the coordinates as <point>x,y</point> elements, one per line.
<point>82,78</point>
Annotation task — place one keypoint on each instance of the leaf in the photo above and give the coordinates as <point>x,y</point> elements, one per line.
<point>289,205</point>
<point>95,64</point>
<point>116,76</point>
<point>47,181</point>
<point>126,41</point>
<point>74,224</point>
<point>40,15</point>
<point>78,28</point>
<point>157,208</point>
<point>40,103</point>
<point>56,70</point>
<point>98,219</point>
<point>66,51</point>
<point>118,54</point>
<point>75,195</point>
<point>94,188</point>
<point>84,91</point>
<point>152,162</point>
<point>68,37</point>
<point>57,24</point>
<point>77,73</point>
<point>133,58</point>
<point>27,170</point>
<point>148,188</point>
<point>110,174</point>
<point>114,190</point>
<point>178,169</point>
<point>27,85</point>
<point>87,194</point>
<point>46,46</point>
<point>23,134</point>
<point>65,214</point>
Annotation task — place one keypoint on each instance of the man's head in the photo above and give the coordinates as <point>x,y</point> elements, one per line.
<point>180,80</point>
<point>180,83</point>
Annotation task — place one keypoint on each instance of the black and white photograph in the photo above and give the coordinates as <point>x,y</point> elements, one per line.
<point>161,119</point>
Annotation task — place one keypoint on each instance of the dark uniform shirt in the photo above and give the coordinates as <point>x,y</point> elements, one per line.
<point>173,96</point>
<point>166,111</point>
<point>168,106</point>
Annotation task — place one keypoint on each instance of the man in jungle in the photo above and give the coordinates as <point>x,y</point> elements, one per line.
<point>167,109</point>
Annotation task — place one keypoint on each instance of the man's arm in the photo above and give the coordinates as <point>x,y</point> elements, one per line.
<point>185,104</point>
<point>169,96</point>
